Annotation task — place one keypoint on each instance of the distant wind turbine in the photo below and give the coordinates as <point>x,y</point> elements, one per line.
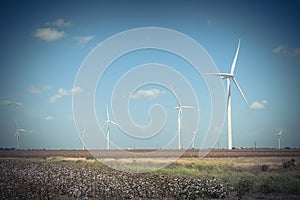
<point>179,116</point>
<point>107,124</point>
<point>20,131</point>
<point>228,77</point>
<point>280,139</point>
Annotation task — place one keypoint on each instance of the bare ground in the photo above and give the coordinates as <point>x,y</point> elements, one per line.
<point>141,153</point>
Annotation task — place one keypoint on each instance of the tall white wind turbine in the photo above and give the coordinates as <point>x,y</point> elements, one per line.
<point>280,139</point>
<point>179,107</point>
<point>229,77</point>
<point>20,131</point>
<point>107,124</point>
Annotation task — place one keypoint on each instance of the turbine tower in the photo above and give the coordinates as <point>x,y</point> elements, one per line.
<point>83,136</point>
<point>193,140</point>
<point>19,131</point>
<point>280,139</point>
<point>107,124</point>
<point>229,77</point>
<point>179,107</point>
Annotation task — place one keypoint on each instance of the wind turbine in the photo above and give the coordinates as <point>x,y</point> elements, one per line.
<point>229,77</point>
<point>107,124</point>
<point>179,115</point>
<point>280,139</point>
<point>19,131</point>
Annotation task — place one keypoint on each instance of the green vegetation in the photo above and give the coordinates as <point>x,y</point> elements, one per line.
<point>243,176</point>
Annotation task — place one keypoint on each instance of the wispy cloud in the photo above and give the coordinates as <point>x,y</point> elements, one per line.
<point>280,49</point>
<point>11,103</point>
<point>51,32</point>
<point>48,34</point>
<point>48,118</point>
<point>210,22</point>
<point>83,40</point>
<point>76,90</point>
<point>148,94</point>
<point>259,105</point>
<point>286,51</point>
<point>59,23</point>
<point>35,90</point>
<point>63,92</point>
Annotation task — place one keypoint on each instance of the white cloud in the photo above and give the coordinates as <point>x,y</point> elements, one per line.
<point>76,90</point>
<point>295,52</point>
<point>83,40</point>
<point>34,90</point>
<point>59,23</point>
<point>149,94</point>
<point>48,118</point>
<point>54,98</point>
<point>279,49</point>
<point>47,87</point>
<point>286,51</point>
<point>63,92</point>
<point>48,34</point>
<point>11,103</point>
<point>210,22</point>
<point>256,105</point>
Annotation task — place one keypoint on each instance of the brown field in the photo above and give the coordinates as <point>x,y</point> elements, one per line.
<point>141,153</point>
<point>74,174</point>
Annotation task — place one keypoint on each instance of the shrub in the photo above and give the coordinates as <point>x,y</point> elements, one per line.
<point>267,185</point>
<point>245,185</point>
<point>264,168</point>
<point>288,164</point>
<point>90,158</point>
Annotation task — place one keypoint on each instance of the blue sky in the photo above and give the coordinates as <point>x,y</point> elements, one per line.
<point>45,43</point>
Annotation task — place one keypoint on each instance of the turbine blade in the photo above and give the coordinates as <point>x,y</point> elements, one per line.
<point>115,123</point>
<point>225,75</point>
<point>241,92</point>
<point>235,58</point>
<point>176,96</point>
<point>107,114</point>
<point>17,124</point>
<point>282,140</point>
<point>105,124</point>
<point>25,131</point>
<point>280,133</point>
<point>189,107</point>
<point>215,74</point>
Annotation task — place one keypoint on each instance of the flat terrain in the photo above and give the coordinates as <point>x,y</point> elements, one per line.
<point>165,153</point>
<point>75,174</point>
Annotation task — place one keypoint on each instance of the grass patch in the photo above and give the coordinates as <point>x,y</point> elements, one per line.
<point>245,175</point>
